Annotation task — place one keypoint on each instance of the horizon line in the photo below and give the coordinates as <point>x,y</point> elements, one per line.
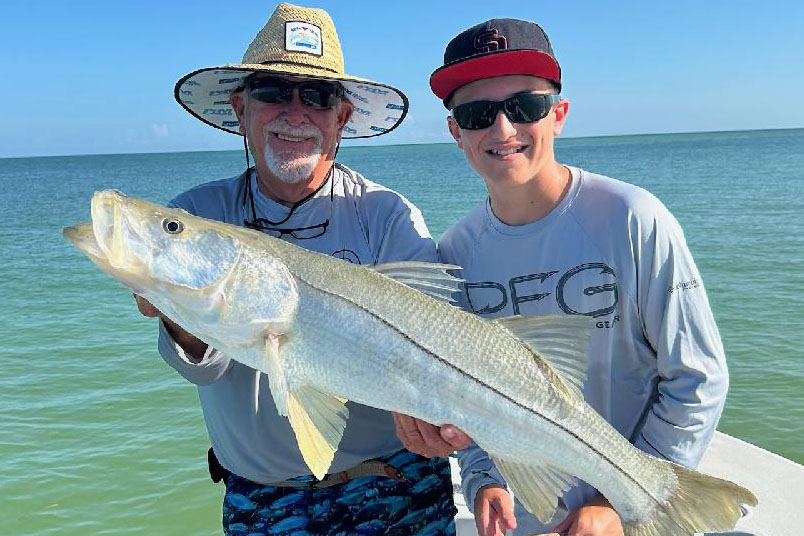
<point>407,144</point>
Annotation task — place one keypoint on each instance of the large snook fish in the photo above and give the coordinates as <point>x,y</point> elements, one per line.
<point>325,331</point>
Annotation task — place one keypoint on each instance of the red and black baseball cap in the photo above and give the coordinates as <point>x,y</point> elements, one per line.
<point>496,47</point>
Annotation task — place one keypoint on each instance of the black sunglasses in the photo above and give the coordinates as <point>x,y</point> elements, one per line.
<point>299,233</point>
<point>272,227</point>
<point>520,108</point>
<point>317,94</point>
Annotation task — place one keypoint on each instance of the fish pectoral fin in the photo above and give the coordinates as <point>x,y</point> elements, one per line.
<point>318,420</point>
<point>430,278</point>
<point>536,487</point>
<point>273,367</point>
<point>562,340</point>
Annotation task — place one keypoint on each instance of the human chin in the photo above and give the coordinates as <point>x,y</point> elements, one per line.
<point>515,167</point>
<point>292,167</point>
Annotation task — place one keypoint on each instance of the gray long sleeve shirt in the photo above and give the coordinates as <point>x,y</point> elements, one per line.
<point>610,250</point>
<point>367,224</point>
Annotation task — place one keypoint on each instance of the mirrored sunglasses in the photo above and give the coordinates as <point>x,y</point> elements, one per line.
<point>317,94</point>
<point>520,108</point>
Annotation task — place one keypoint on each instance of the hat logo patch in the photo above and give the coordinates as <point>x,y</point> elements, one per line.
<point>489,41</point>
<point>303,37</point>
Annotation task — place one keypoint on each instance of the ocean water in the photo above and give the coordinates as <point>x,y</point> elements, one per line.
<point>99,436</point>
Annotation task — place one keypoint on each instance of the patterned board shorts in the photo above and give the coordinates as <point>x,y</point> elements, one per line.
<point>421,504</point>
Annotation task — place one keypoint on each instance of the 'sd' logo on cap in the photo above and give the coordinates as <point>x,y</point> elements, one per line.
<point>489,41</point>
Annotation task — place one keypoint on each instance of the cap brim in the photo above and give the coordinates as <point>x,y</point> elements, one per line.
<point>445,80</point>
<point>378,108</point>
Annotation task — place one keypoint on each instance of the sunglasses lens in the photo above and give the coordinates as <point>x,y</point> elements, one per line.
<point>475,115</point>
<point>319,95</point>
<point>307,233</point>
<point>527,107</point>
<point>271,90</point>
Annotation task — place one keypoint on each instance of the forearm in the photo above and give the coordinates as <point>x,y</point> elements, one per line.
<point>690,394</point>
<point>211,366</point>
<point>194,348</point>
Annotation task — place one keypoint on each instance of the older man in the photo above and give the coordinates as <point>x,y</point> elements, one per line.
<point>292,101</point>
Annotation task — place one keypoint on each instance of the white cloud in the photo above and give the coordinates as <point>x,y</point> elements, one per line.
<point>161,131</point>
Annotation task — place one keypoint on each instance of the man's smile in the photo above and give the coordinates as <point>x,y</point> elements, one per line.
<point>288,137</point>
<point>506,151</point>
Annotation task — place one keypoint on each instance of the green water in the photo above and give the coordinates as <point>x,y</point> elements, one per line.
<point>99,436</point>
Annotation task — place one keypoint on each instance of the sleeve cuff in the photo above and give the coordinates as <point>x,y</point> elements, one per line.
<point>212,366</point>
<point>473,484</point>
<point>477,470</point>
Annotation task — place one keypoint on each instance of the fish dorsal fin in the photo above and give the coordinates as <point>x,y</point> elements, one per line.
<point>428,277</point>
<point>562,340</point>
<point>318,420</point>
<point>536,487</point>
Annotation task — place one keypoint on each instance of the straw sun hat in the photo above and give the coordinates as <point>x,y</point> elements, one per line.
<point>296,41</point>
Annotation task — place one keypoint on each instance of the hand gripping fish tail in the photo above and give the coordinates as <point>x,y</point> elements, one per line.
<point>326,331</point>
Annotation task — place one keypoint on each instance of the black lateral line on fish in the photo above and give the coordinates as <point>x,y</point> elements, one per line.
<point>506,397</point>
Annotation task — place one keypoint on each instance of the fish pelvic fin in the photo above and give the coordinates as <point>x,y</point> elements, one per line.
<point>430,278</point>
<point>318,420</point>
<point>537,488</point>
<point>701,503</point>
<point>562,340</point>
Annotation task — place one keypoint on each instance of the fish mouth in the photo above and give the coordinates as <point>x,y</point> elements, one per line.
<point>105,218</point>
<point>115,234</point>
<point>109,241</point>
<point>82,236</point>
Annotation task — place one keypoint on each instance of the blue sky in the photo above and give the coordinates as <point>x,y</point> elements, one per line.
<point>88,77</point>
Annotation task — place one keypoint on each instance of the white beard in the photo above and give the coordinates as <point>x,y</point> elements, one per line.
<point>292,167</point>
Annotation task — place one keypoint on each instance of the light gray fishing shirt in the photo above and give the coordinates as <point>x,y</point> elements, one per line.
<point>612,251</point>
<point>367,224</point>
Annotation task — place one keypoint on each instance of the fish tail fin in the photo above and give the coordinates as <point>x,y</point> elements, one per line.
<point>700,503</point>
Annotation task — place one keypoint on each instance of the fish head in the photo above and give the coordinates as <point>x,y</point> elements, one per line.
<point>185,266</point>
<point>151,247</point>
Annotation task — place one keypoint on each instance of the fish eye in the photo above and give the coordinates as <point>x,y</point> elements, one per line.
<point>172,226</point>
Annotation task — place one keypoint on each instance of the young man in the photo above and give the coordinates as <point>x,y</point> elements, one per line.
<point>292,101</point>
<point>555,239</point>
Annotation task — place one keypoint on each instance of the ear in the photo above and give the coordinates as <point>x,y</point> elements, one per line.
<point>560,112</point>
<point>238,101</point>
<point>344,113</point>
<point>455,130</point>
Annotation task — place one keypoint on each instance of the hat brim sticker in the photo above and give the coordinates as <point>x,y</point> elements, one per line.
<point>303,37</point>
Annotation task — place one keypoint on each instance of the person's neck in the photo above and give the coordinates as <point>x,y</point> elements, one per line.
<point>533,200</point>
<point>290,193</point>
